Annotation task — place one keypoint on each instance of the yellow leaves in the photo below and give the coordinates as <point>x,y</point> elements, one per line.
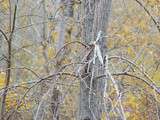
<point>12,96</point>
<point>127,114</point>
<point>125,31</point>
<point>12,101</point>
<point>54,35</point>
<point>152,3</point>
<point>131,106</point>
<point>156,76</point>
<point>143,25</point>
<point>125,35</point>
<point>4,5</point>
<point>132,101</point>
<point>130,52</point>
<point>103,117</point>
<point>135,106</point>
<point>155,39</point>
<point>110,44</point>
<point>2,79</point>
<point>51,52</point>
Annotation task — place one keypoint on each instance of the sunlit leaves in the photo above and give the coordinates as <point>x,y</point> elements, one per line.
<point>14,100</point>
<point>131,52</point>
<point>103,117</point>
<point>125,31</point>
<point>54,36</point>
<point>11,100</point>
<point>13,96</point>
<point>136,37</point>
<point>132,107</point>
<point>152,3</point>
<point>4,5</point>
<point>51,52</point>
<point>132,34</point>
<point>2,79</point>
<point>156,77</point>
<point>142,24</point>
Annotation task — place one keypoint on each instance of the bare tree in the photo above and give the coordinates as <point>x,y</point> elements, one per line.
<point>12,22</point>
<point>44,43</point>
<point>96,14</point>
<point>67,12</point>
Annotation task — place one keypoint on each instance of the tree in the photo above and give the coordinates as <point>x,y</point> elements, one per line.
<point>55,54</point>
<point>96,17</point>
<point>9,56</point>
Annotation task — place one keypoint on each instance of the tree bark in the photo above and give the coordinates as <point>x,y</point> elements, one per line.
<point>62,31</point>
<point>41,108</point>
<point>96,14</point>
<point>9,58</point>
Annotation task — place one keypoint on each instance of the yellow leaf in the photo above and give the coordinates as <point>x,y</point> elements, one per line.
<point>103,117</point>
<point>156,76</point>
<point>153,2</point>
<point>4,5</point>
<point>127,114</point>
<point>54,36</point>
<point>51,52</point>
<point>12,101</point>
<point>143,25</point>
<point>2,79</point>
<point>131,52</point>
<point>126,30</point>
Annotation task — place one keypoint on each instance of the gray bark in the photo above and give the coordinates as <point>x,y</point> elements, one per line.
<point>41,108</point>
<point>68,12</point>
<point>62,25</point>
<point>69,8</point>
<point>96,13</point>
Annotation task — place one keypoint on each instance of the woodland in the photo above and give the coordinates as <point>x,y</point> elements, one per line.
<point>79,59</point>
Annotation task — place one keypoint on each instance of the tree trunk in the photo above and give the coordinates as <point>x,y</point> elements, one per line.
<point>41,108</point>
<point>12,23</point>
<point>62,31</point>
<point>96,14</point>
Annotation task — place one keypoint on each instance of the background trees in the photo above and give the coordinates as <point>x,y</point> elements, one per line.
<point>47,68</point>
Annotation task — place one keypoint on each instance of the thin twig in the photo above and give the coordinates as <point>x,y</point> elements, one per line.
<point>147,11</point>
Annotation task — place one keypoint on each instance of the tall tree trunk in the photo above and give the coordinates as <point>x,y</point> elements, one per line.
<point>44,43</point>
<point>96,14</point>
<point>62,31</point>
<point>12,23</point>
